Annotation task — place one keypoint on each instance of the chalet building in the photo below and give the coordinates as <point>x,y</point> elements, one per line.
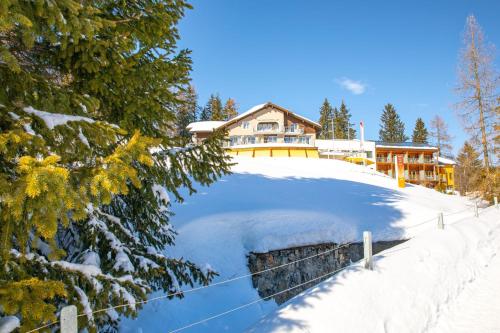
<point>421,163</point>
<point>264,130</point>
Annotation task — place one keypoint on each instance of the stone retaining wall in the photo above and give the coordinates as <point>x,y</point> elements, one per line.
<point>274,281</point>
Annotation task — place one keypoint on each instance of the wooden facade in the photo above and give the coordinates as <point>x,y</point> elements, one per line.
<point>420,163</point>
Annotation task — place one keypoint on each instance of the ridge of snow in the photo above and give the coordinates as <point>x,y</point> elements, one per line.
<point>55,119</point>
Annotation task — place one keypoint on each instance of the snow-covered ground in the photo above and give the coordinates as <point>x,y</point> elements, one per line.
<point>439,281</point>
<point>276,203</point>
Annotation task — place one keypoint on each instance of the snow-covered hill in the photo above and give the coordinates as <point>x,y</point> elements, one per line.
<point>439,281</point>
<point>276,203</point>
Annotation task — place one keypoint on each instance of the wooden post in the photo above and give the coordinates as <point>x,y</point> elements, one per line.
<point>440,221</point>
<point>476,210</point>
<point>496,202</point>
<point>367,247</point>
<point>69,324</point>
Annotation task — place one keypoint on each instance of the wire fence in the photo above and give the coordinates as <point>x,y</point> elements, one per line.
<point>244,276</point>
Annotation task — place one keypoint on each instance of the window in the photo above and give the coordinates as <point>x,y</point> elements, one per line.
<point>245,124</point>
<point>261,127</point>
<point>291,139</point>
<point>369,154</point>
<point>248,139</point>
<point>234,140</point>
<point>270,139</point>
<point>304,139</point>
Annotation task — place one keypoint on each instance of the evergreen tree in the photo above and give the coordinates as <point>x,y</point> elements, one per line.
<point>86,159</point>
<point>187,111</point>
<point>419,132</point>
<point>325,120</point>
<point>206,112</point>
<point>229,111</point>
<point>215,108</point>
<point>468,169</point>
<point>343,126</point>
<point>392,128</point>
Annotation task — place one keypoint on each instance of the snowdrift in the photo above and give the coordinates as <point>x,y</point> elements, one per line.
<point>440,281</point>
<point>277,203</point>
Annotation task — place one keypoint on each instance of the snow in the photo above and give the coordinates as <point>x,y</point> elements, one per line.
<point>84,301</point>
<point>9,324</point>
<point>276,203</point>
<point>406,145</point>
<point>204,126</point>
<point>162,195</point>
<point>261,106</point>
<point>83,138</point>
<point>55,119</point>
<point>457,269</point>
<point>444,160</point>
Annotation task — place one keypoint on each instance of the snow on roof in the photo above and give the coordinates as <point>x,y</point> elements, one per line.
<point>204,126</point>
<point>55,119</point>
<point>444,160</point>
<point>406,145</point>
<point>261,106</point>
<point>248,112</point>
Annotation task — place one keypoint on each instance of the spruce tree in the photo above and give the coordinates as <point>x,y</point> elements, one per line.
<point>343,126</point>
<point>187,111</point>
<point>87,91</point>
<point>206,112</point>
<point>215,107</point>
<point>392,128</point>
<point>420,132</point>
<point>325,120</point>
<point>230,110</point>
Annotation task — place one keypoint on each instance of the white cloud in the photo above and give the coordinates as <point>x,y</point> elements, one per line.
<point>355,87</point>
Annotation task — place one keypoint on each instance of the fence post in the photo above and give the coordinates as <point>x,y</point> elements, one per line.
<point>440,220</point>
<point>69,324</point>
<point>476,210</point>
<point>496,202</point>
<point>367,247</point>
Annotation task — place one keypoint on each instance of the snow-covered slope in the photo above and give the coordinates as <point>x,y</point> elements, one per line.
<point>439,281</point>
<point>275,203</point>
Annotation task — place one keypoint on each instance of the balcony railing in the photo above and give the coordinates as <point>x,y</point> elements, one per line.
<point>267,130</point>
<point>294,130</point>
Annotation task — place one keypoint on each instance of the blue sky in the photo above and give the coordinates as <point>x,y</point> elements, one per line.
<point>368,53</point>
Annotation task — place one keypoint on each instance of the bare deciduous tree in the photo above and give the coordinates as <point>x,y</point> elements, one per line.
<point>478,83</point>
<point>440,137</point>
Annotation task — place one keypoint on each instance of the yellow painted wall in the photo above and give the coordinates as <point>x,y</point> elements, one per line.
<point>312,153</point>
<point>298,153</point>
<point>262,153</point>
<point>248,153</point>
<point>280,153</point>
<point>449,172</point>
<point>274,152</point>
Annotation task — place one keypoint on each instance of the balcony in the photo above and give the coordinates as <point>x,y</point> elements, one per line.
<point>267,130</point>
<point>294,130</point>
<point>382,159</point>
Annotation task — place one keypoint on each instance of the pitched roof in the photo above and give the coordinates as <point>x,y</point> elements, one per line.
<point>269,104</point>
<point>204,126</point>
<point>406,145</point>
